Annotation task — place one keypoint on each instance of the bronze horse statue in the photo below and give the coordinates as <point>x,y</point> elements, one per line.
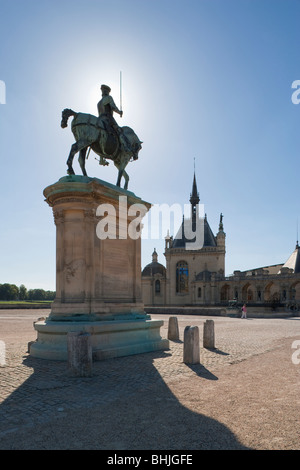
<point>91,131</point>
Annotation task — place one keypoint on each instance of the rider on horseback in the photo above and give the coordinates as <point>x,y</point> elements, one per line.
<point>103,135</point>
<point>106,108</point>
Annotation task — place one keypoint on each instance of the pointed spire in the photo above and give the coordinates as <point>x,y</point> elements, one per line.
<point>194,197</point>
<point>194,200</point>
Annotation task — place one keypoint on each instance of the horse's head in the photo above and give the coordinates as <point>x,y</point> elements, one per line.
<point>137,145</point>
<point>135,142</point>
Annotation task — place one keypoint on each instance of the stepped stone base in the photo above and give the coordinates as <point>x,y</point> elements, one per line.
<point>109,338</point>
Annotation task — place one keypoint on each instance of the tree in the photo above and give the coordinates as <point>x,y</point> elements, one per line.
<point>22,292</point>
<point>12,292</point>
<point>9,292</point>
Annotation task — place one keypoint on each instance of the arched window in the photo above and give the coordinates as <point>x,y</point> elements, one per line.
<point>157,286</point>
<point>182,277</point>
<point>250,295</point>
<point>284,294</point>
<point>247,292</point>
<point>225,293</point>
<point>199,291</point>
<point>259,295</point>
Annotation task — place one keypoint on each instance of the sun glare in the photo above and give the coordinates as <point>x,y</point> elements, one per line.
<point>127,95</point>
<point>93,98</point>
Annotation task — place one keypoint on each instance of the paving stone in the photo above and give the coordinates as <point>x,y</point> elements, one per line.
<point>33,390</point>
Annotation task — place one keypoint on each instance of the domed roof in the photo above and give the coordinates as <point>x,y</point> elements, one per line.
<point>154,268</point>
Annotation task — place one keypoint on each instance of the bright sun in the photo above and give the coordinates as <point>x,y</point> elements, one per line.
<point>93,98</point>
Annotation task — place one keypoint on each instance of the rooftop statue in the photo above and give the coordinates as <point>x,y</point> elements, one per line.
<point>104,136</point>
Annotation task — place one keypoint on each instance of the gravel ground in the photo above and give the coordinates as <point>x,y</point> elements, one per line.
<point>243,395</point>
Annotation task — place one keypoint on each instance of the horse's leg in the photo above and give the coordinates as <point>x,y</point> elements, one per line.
<point>124,163</point>
<point>81,145</point>
<point>126,177</point>
<point>74,150</point>
<point>120,171</point>
<point>121,167</point>
<point>81,160</point>
<point>119,176</point>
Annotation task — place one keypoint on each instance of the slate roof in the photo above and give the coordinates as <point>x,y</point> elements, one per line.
<point>294,260</point>
<point>180,240</point>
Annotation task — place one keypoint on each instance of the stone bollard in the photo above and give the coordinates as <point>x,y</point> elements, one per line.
<point>80,356</point>
<point>173,331</point>
<point>191,350</point>
<point>209,334</point>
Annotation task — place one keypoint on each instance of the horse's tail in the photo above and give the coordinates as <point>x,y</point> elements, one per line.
<point>65,116</point>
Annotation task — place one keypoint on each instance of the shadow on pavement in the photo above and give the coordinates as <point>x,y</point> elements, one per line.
<point>218,351</point>
<point>202,371</point>
<point>126,404</point>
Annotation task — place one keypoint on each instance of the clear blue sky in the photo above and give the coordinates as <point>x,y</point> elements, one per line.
<point>203,79</point>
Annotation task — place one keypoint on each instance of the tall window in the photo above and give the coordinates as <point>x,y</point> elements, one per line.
<point>225,293</point>
<point>157,286</point>
<point>182,277</point>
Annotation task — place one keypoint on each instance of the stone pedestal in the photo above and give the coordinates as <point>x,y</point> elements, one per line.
<point>98,272</point>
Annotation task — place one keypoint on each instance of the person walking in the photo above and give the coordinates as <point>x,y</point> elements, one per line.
<point>244,311</point>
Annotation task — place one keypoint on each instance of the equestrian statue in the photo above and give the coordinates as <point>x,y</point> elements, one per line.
<point>103,135</point>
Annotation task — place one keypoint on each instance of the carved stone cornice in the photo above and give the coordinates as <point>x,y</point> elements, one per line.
<point>90,214</point>
<point>59,216</point>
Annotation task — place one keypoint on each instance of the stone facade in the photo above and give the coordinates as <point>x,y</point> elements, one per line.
<point>196,277</point>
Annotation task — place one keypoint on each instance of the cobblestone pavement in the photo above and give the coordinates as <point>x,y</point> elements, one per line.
<point>154,400</point>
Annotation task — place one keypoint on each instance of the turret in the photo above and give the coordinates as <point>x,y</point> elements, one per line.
<point>168,241</point>
<point>154,256</point>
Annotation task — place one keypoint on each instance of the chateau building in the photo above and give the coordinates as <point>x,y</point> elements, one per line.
<point>195,271</point>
